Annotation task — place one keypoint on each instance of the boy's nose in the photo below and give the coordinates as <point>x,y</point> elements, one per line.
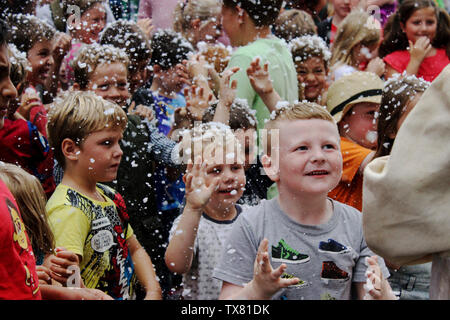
<point>8,91</point>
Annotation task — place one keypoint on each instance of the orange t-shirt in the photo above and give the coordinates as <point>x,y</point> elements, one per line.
<point>349,189</point>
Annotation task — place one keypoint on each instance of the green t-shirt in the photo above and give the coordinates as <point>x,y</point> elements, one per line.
<point>281,70</point>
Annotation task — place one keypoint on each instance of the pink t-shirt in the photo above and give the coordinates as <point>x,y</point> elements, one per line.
<point>161,12</point>
<point>429,68</point>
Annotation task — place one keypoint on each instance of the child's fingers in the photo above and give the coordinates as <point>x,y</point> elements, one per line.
<point>233,84</point>
<point>266,66</point>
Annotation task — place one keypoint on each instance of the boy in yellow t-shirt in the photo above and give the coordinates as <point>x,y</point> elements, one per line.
<point>86,217</point>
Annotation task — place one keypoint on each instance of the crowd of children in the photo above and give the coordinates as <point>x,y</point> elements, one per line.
<point>216,149</point>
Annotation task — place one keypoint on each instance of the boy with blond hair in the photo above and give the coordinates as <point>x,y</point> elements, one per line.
<point>315,244</point>
<point>86,217</point>
<point>215,180</point>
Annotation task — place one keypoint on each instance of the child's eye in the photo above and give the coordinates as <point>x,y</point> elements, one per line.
<point>107,142</point>
<point>329,146</point>
<point>318,71</point>
<point>302,148</point>
<point>104,87</point>
<point>236,168</point>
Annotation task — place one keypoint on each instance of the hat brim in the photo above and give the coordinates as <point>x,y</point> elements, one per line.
<point>374,99</point>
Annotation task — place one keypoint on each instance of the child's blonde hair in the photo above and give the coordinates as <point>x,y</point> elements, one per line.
<point>212,139</point>
<point>93,55</point>
<point>31,199</point>
<point>294,23</point>
<point>357,28</point>
<point>297,111</point>
<point>77,115</point>
<point>187,11</point>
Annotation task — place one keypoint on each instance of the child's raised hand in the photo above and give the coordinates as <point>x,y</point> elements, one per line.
<point>197,191</point>
<point>376,287</point>
<point>420,48</point>
<point>142,111</point>
<point>259,77</point>
<point>267,281</point>
<point>227,91</point>
<point>28,101</point>
<point>61,45</point>
<point>197,101</point>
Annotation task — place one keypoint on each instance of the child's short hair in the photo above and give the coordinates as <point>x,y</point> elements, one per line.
<point>216,55</point>
<point>93,55</point>
<point>169,48</point>
<point>262,12</point>
<point>357,27</point>
<point>31,199</point>
<point>357,87</point>
<point>207,139</point>
<point>128,36</point>
<point>241,116</point>
<point>304,110</point>
<point>398,91</point>
<point>77,115</point>
<point>187,11</point>
<point>27,30</point>
<point>294,23</point>
<point>308,46</point>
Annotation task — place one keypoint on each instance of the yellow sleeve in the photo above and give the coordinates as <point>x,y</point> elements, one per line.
<point>70,227</point>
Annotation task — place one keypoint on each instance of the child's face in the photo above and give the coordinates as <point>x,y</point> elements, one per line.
<point>313,75</point>
<point>92,23</point>
<point>169,80</point>
<point>138,75</point>
<point>359,124</point>
<point>230,24</point>
<point>310,160</point>
<point>363,54</point>
<point>232,180</point>
<point>41,61</point>
<point>7,90</point>
<point>110,82</point>
<point>99,155</point>
<point>343,7</point>
<point>422,23</point>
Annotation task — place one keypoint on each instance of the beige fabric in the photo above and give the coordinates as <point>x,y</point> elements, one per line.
<point>406,198</point>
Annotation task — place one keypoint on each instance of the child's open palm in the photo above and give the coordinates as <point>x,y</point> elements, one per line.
<point>259,77</point>
<point>197,191</point>
<point>266,280</point>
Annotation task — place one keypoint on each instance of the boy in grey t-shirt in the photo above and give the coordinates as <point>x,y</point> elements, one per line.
<point>301,245</point>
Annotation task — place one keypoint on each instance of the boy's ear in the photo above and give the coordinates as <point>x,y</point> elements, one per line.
<point>195,24</point>
<point>242,15</point>
<point>270,168</point>
<point>70,149</point>
<point>156,69</point>
<point>76,86</point>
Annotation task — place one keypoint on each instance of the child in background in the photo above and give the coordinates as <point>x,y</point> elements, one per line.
<point>355,46</point>
<point>84,29</point>
<point>214,184</point>
<point>128,36</point>
<point>198,21</point>
<point>327,28</point>
<point>24,143</point>
<point>248,25</point>
<point>104,70</point>
<point>86,217</point>
<point>400,95</point>
<point>311,57</point>
<point>417,40</point>
<point>327,261</point>
<point>386,8</point>
<point>353,100</point>
<point>294,23</point>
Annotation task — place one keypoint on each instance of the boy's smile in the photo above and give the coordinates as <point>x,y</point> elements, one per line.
<point>310,157</point>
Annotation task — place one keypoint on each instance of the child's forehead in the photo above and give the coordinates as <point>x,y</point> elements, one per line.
<point>111,69</point>
<point>299,129</point>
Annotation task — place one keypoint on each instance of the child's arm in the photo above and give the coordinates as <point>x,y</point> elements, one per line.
<point>265,283</point>
<point>144,269</point>
<point>227,94</point>
<point>376,286</point>
<point>261,83</point>
<point>418,51</point>
<point>180,250</point>
<point>51,292</point>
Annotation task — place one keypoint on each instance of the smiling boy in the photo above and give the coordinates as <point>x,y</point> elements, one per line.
<point>315,244</point>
